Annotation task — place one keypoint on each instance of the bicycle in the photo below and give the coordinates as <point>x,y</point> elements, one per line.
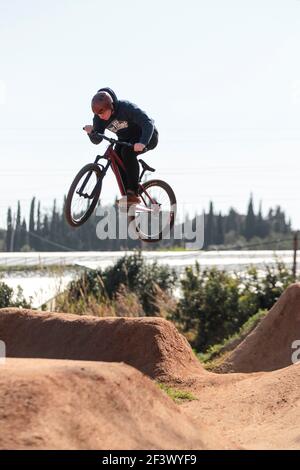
<point>153,217</point>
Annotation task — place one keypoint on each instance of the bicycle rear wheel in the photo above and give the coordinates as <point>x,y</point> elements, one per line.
<point>155,216</point>
<point>83,195</point>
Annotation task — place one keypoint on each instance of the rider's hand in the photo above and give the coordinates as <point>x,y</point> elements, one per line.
<point>138,147</point>
<point>88,129</point>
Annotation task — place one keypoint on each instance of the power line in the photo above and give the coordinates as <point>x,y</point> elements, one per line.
<point>239,247</point>
<point>59,245</point>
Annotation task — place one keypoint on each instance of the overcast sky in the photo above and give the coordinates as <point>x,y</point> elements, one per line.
<point>221,79</point>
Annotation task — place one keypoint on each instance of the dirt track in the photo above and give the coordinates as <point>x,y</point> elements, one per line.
<point>256,411</point>
<point>72,404</point>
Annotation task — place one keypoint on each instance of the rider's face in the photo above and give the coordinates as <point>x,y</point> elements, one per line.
<point>105,115</point>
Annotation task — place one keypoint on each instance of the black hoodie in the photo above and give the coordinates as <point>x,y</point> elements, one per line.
<point>129,122</point>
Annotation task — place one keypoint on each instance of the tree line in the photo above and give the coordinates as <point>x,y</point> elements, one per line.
<point>229,229</point>
<point>49,231</point>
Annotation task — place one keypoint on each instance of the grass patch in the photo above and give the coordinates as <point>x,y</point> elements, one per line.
<point>178,396</point>
<point>43,269</point>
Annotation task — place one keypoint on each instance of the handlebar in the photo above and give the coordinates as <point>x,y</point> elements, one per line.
<point>112,141</point>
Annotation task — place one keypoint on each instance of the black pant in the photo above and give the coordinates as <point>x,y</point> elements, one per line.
<point>129,158</point>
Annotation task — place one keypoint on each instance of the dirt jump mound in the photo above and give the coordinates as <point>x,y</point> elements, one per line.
<point>152,345</point>
<point>53,404</point>
<point>271,344</point>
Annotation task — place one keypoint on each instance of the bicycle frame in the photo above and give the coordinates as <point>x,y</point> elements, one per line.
<point>115,161</point>
<point>87,184</point>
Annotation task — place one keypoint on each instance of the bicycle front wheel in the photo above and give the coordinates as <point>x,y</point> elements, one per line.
<point>155,216</point>
<point>83,195</point>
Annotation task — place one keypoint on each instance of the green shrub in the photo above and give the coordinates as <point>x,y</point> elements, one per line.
<point>6,294</point>
<point>215,303</point>
<point>9,298</point>
<point>140,277</point>
<point>147,281</point>
<point>230,343</point>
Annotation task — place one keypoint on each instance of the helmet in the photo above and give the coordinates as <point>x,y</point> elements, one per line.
<point>101,102</point>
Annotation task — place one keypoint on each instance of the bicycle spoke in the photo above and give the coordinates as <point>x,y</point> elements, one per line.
<point>151,224</point>
<point>83,196</point>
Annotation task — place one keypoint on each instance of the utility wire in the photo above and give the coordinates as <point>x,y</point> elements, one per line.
<point>59,245</point>
<point>238,247</point>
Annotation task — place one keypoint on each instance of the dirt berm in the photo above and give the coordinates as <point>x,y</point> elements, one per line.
<point>151,345</point>
<point>270,345</point>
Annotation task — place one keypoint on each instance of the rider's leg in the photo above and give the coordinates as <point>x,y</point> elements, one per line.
<point>131,194</point>
<point>130,159</point>
<point>123,174</point>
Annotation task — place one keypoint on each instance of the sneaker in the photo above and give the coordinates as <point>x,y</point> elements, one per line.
<point>122,201</point>
<point>128,200</point>
<point>133,199</point>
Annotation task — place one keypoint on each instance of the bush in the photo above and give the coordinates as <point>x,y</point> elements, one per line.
<point>144,283</point>
<point>142,278</point>
<point>217,350</point>
<point>215,304</point>
<point>9,298</point>
<point>209,305</point>
<point>6,294</point>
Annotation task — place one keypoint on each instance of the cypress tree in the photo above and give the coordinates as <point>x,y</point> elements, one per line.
<point>262,226</point>
<point>9,230</point>
<point>220,230</point>
<point>44,246</point>
<point>279,224</point>
<point>38,228</point>
<point>232,221</point>
<point>17,240</point>
<point>210,234</point>
<point>31,238</point>
<point>23,235</point>
<point>54,225</point>
<point>250,222</point>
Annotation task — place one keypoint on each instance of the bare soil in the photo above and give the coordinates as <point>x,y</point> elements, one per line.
<point>87,383</point>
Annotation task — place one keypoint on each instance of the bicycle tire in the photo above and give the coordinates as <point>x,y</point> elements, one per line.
<point>68,212</point>
<point>172,198</point>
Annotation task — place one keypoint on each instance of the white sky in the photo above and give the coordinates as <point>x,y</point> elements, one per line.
<point>220,78</point>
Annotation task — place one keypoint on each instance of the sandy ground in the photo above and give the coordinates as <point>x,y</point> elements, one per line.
<point>256,411</point>
<point>88,383</point>
<point>58,404</point>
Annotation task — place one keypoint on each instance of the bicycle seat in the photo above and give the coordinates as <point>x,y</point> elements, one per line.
<point>145,166</point>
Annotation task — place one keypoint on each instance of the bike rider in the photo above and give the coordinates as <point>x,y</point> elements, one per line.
<point>132,125</point>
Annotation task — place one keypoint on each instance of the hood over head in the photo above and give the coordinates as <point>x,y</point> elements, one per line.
<point>112,94</point>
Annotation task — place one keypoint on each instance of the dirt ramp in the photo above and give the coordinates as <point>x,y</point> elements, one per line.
<point>269,346</point>
<point>53,404</point>
<point>152,345</point>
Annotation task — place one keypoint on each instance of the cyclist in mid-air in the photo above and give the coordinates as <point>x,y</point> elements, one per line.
<point>132,125</point>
